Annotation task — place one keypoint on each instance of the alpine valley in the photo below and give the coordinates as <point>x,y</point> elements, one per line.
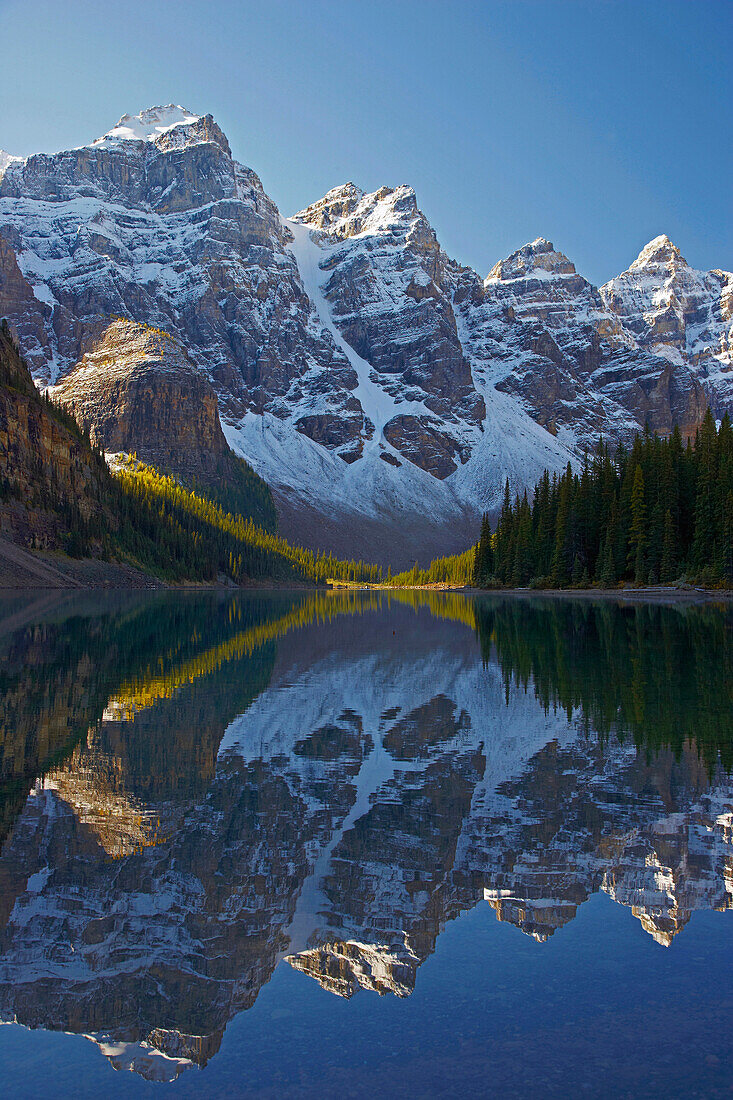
<point>384,391</point>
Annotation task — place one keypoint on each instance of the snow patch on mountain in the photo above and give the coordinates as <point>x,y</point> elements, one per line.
<point>304,471</point>
<point>6,159</point>
<point>148,125</point>
<point>378,405</point>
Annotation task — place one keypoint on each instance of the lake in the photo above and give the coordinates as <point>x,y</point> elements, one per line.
<point>333,844</point>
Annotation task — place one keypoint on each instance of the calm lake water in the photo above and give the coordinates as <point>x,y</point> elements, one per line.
<point>340,845</point>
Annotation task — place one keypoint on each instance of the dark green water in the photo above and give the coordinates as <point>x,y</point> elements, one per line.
<point>331,845</point>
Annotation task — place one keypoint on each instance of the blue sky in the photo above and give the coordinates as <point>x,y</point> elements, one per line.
<point>597,124</point>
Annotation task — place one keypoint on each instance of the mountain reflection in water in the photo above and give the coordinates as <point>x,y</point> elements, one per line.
<point>194,788</point>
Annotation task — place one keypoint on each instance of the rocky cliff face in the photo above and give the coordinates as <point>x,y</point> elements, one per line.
<point>48,472</point>
<point>373,381</point>
<point>387,285</point>
<point>682,315</point>
<point>156,222</point>
<point>543,334</point>
<point>138,391</point>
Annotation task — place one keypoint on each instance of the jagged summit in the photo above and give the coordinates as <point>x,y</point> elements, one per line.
<point>538,259</point>
<point>347,211</point>
<point>679,313</point>
<point>659,251</point>
<point>345,192</point>
<point>6,159</point>
<point>335,205</point>
<point>149,124</point>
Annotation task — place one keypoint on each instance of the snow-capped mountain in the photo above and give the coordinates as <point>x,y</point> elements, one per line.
<point>680,314</point>
<point>377,384</point>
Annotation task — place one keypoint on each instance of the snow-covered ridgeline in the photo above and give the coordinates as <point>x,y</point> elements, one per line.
<point>359,369</point>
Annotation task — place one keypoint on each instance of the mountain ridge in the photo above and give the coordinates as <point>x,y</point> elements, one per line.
<point>373,381</point>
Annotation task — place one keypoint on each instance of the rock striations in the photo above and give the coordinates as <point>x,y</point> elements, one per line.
<point>373,381</point>
<point>137,391</point>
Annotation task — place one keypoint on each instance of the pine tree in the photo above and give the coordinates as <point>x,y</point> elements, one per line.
<point>560,571</point>
<point>637,528</point>
<point>705,492</point>
<point>668,567</point>
<point>607,576</point>
<point>483,561</point>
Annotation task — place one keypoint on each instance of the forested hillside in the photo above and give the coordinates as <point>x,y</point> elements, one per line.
<point>154,507</point>
<point>454,571</point>
<point>57,493</point>
<point>654,513</point>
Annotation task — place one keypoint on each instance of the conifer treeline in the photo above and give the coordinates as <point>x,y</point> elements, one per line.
<point>653,513</point>
<point>163,523</point>
<point>456,570</point>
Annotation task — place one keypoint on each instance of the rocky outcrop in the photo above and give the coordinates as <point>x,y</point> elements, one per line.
<point>419,440</point>
<point>684,316</point>
<point>137,390</point>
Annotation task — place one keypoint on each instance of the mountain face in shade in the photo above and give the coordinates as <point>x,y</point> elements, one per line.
<point>377,384</point>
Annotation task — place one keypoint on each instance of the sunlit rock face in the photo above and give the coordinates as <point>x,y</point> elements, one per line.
<point>545,335</point>
<point>389,287</point>
<point>333,804</point>
<point>683,315</point>
<point>371,379</point>
<point>138,391</point>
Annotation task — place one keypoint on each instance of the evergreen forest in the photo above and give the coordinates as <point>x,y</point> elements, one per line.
<point>657,512</point>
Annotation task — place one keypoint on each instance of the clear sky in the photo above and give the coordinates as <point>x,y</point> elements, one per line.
<point>595,123</point>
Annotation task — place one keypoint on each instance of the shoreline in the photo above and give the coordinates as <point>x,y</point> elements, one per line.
<point>23,570</point>
<point>657,594</point>
<point>654,594</point>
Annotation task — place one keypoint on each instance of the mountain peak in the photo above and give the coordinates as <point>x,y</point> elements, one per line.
<point>343,191</point>
<point>347,211</point>
<point>660,250</point>
<point>539,259</point>
<point>6,159</point>
<point>150,124</point>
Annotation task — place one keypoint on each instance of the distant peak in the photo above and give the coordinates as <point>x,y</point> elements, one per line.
<point>6,159</point>
<point>150,124</point>
<point>343,191</point>
<point>347,211</point>
<point>539,259</point>
<point>658,251</point>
